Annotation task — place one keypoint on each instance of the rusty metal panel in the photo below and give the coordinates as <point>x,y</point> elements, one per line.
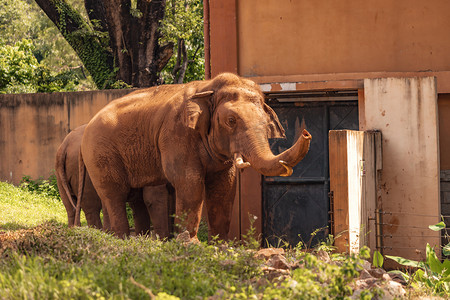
<point>294,207</point>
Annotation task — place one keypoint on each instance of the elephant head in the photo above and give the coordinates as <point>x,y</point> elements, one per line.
<point>230,114</point>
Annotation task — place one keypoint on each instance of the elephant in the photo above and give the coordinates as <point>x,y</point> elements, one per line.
<point>151,201</point>
<point>194,136</point>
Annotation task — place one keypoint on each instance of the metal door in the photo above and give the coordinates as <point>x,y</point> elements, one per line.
<point>296,206</point>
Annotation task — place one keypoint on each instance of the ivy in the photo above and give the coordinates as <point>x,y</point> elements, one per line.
<point>88,43</point>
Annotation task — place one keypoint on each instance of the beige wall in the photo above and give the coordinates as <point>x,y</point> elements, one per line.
<point>287,37</point>
<point>405,111</point>
<point>32,126</point>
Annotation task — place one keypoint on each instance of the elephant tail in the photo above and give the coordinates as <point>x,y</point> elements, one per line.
<point>81,180</point>
<point>60,167</point>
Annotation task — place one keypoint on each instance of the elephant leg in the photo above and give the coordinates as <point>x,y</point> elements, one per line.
<point>65,200</point>
<point>140,214</point>
<point>160,202</point>
<point>115,204</point>
<point>189,200</point>
<point>220,194</point>
<point>106,222</point>
<point>91,205</point>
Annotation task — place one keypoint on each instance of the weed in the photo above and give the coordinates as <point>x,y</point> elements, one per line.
<point>47,187</point>
<point>431,274</point>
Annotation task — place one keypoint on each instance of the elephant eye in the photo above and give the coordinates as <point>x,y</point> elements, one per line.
<point>231,121</point>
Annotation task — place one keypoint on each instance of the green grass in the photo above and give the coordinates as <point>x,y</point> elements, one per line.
<point>23,209</point>
<point>41,258</point>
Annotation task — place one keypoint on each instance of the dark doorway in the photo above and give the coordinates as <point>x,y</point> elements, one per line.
<point>294,207</point>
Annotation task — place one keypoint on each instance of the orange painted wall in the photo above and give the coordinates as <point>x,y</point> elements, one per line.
<point>32,126</point>
<point>287,37</point>
<point>444,130</point>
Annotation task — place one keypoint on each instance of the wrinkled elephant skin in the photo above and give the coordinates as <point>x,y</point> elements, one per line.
<point>189,136</point>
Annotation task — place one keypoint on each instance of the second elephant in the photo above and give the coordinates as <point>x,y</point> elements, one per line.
<point>154,201</point>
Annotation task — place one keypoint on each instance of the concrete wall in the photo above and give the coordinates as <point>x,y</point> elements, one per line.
<point>287,37</point>
<point>405,111</point>
<point>32,126</point>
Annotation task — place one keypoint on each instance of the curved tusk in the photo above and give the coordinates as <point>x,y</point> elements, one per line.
<point>287,167</point>
<point>240,164</point>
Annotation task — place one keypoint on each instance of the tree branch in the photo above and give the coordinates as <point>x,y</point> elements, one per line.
<point>97,60</point>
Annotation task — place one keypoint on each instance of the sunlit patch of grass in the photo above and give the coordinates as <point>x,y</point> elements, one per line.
<point>23,209</point>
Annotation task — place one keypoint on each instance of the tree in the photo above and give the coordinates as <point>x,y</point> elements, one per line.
<point>20,72</point>
<point>118,41</point>
<point>183,26</point>
<point>23,19</point>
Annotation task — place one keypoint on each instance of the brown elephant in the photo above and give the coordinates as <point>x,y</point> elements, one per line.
<point>150,200</point>
<point>191,136</point>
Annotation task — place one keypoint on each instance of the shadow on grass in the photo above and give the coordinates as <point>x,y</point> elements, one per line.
<point>10,226</point>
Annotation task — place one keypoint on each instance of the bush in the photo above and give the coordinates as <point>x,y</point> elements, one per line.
<point>46,187</point>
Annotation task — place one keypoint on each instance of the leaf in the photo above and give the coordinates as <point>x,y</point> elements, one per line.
<point>406,262</point>
<point>446,250</point>
<point>446,266</point>
<point>378,259</point>
<point>438,226</point>
<point>433,261</point>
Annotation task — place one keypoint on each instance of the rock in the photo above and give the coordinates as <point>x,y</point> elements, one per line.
<point>367,265</point>
<point>267,253</point>
<point>394,289</point>
<point>273,274</point>
<point>386,277</point>
<point>323,256</point>
<point>365,275</point>
<point>377,273</point>
<point>398,278</point>
<point>278,262</point>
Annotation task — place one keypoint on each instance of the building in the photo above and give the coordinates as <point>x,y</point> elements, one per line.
<point>360,65</point>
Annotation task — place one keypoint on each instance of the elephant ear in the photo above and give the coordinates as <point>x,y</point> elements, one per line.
<point>196,106</point>
<point>276,131</point>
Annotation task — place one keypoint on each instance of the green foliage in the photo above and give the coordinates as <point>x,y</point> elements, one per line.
<point>250,239</point>
<point>17,64</point>
<point>183,20</point>
<point>91,45</point>
<point>431,274</point>
<point>317,279</point>
<point>378,259</point>
<point>46,187</point>
<point>20,72</point>
<point>23,19</point>
<point>51,261</point>
<point>202,233</point>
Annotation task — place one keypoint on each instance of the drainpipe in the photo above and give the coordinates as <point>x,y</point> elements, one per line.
<point>206,30</point>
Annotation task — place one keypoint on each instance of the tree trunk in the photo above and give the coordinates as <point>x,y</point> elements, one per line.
<point>134,39</point>
<point>89,48</point>
<point>131,53</point>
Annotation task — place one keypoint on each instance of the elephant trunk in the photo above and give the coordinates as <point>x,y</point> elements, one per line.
<point>277,165</point>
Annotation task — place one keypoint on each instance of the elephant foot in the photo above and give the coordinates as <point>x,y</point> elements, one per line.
<point>186,239</point>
